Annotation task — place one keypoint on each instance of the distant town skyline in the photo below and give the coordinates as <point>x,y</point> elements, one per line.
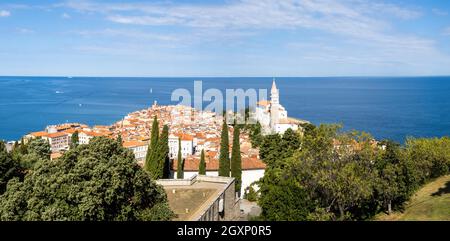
<point>225,38</point>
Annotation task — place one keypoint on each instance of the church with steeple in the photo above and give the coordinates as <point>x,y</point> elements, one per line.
<point>272,115</point>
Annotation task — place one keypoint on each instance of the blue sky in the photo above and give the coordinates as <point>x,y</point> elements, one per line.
<point>225,38</point>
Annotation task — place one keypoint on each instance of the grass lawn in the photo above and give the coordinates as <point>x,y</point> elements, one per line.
<point>432,202</point>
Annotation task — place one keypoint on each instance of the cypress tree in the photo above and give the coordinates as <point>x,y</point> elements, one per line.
<point>75,140</point>
<point>163,151</point>
<point>236,160</point>
<point>224,158</point>
<point>202,165</point>
<point>119,139</point>
<point>180,162</point>
<point>151,160</point>
<point>23,148</point>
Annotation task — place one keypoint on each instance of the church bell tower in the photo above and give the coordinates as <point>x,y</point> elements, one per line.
<point>274,105</point>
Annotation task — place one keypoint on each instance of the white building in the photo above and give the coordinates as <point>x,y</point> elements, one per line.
<point>252,170</point>
<point>139,149</point>
<point>187,145</point>
<point>272,115</point>
<point>84,137</point>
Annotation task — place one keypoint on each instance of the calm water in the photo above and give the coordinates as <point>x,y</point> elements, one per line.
<point>386,107</point>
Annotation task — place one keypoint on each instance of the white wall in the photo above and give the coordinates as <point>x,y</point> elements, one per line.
<point>248,177</point>
<point>281,128</point>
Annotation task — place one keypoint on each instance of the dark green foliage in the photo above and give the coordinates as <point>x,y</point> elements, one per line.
<point>307,128</point>
<point>274,148</point>
<point>119,139</point>
<point>74,140</point>
<point>162,159</point>
<point>270,150</point>
<point>251,194</point>
<point>236,160</point>
<point>202,165</point>
<point>180,162</point>
<point>282,200</point>
<point>255,135</point>
<point>35,151</point>
<point>152,164</point>
<point>9,168</point>
<point>99,181</point>
<point>224,158</point>
<point>164,165</point>
<point>344,175</point>
<point>40,147</point>
<point>290,142</point>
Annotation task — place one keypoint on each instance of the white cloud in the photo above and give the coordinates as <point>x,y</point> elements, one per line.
<point>369,25</point>
<point>446,31</point>
<point>355,19</point>
<point>65,16</point>
<point>25,31</point>
<point>4,13</point>
<point>439,12</point>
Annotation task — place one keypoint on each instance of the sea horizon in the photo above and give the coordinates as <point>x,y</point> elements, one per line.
<point>386,107</point>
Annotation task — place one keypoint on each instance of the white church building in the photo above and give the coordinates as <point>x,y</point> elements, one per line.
<point>272,115</point>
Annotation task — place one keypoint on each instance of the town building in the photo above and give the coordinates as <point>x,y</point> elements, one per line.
<point>187,145</point>
<point>59,141</point>
<point>84,137</point>
<point>272,116</point>
<point>252,168</point>
<point>139,149</point>
<point>202,198</point>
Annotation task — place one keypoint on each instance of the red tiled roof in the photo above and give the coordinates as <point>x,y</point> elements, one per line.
<point>129,144</point>
<point>39,134</point>
<point>263,103</point>
<point>57,134</point>
<point>212,164</point>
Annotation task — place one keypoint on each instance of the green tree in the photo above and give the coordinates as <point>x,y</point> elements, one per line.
<point>180,162</point>
<point>151,161</point>
<point>99,182</point>
<point>251,194</point>
<point>256,135</point>
<point>23,147</point>
<point>39,147</point>
<point>202,164</point>
<point>271,151</point>
<point>164,153</point>
<point>236,160</point>
<point>74,140</point>
<point>119,139</point>
<point>290,142</point>
<point>9,168</point>
<point>282,199</point>
<point>224,158</point>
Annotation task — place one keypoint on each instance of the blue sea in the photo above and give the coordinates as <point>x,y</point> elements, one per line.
<point>388,108</point>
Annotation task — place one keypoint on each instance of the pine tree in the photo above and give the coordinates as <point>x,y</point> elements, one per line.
<point>224,158</point>
<point>151,162</point>
<point>202,165</point>
<point>74,140</point>
<point>180,162</point>
<point>163,153</point>
<point>236,160</point>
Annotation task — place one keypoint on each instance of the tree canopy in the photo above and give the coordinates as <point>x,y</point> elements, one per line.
<point>327,174</point>
<point>236,159</point>
<point>99,181</point>
<point>224,156</point>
